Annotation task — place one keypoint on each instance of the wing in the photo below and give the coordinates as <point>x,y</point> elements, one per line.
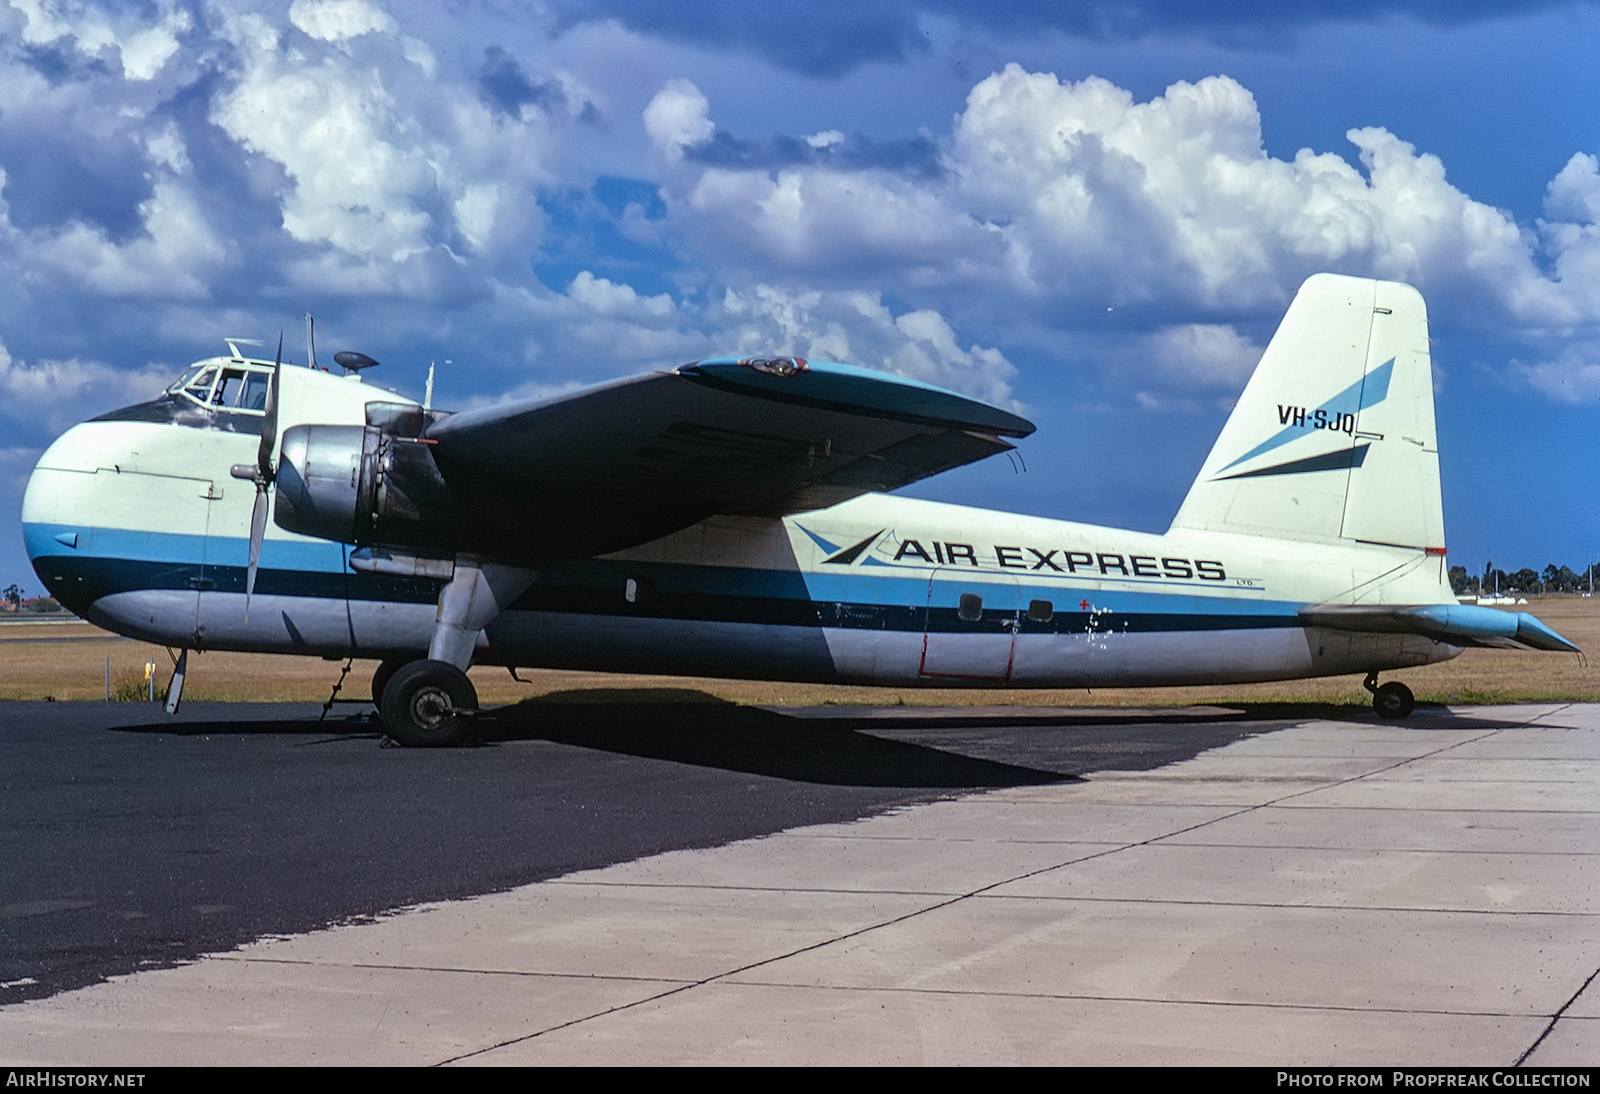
<point>1457,624</point>
<point>623,463</point>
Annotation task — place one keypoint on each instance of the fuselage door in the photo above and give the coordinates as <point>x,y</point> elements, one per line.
<point>205,580</point>
<point>970,629</point>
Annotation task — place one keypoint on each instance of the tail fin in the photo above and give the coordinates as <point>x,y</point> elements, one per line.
<point>1333,438</point>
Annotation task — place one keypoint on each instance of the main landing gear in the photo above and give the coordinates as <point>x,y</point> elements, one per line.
<point>429,702</point>
<point>424,704</point>
<point>1392,700</point>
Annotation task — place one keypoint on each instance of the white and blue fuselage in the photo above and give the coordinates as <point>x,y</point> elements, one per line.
<point>136,521</point>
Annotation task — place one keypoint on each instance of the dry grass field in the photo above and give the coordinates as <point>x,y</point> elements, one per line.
<point>66,661</point>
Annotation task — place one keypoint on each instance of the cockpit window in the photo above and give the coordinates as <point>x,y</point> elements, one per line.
<point>255,391</point>
<point>183,381</point>
<point>200,387</point>
<point>230,387</point>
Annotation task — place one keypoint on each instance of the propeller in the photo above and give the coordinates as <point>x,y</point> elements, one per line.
<point>263,473</point>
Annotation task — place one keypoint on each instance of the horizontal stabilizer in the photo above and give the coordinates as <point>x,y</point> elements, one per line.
<point>1457,624</point>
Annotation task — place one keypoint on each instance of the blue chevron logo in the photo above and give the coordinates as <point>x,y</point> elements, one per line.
<point>1338,413</point>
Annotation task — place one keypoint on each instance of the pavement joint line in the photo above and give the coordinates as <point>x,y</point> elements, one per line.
<point>1328,785</point>
<point>1236,812</point>
<point>1385,850</point>
<point>1259,1004</point>
<point>708,887</point>
<point>1461,809</point>
<point>986,889</point>
<point>694,984</point>
<point>846,936</point>
<point>1556,1017</point>
<point>725,975</point>
<point>1280,905</point>
<point>558,1026</point>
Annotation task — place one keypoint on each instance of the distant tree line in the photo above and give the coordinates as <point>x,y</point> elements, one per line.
<point>14,599</point>
<point>1553,579</point>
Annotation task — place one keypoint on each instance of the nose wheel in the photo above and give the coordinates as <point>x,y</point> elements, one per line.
<point>428,704</point>
<point>1392,700</point>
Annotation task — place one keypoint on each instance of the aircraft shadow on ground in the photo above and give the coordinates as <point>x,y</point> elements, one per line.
<point>691,727</point>
<point>843,746</point>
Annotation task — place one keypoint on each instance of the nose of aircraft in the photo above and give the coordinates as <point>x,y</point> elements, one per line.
<point>55,522</point>
<point>88,510</point>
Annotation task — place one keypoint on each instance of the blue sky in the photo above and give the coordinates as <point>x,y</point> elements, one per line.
<point>1093,212</point>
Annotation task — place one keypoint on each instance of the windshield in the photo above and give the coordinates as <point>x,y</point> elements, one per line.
<point>183,381</point>
<point>229,387</point>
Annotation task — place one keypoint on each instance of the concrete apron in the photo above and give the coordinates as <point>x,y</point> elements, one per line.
<point>1335,893</point>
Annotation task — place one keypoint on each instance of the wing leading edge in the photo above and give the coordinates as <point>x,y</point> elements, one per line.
<point>619,464</point>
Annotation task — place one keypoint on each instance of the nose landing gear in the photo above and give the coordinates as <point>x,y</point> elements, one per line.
<point>1392,700</point>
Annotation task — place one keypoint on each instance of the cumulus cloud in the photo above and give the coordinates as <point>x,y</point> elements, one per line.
<point>1071,196</point>
<point>600,296</point>
<point>140,50</point>
<point>314,155</point>
<point>59,393</point>
<point>596,328</point>
<point>1572,230</point>
<point>338,20</point>
<point>321,151</point>
<point>169,261</point>
<point>858,328</point>
<point>678,117</point>
<point>1573,376</point>
<point>383,159</point>
<point>1203,354</point>
<point>359,178</point>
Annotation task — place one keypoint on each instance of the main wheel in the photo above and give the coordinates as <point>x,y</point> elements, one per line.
<point>426,704</point>
<point>381,677</point>
<point>1393,700</point>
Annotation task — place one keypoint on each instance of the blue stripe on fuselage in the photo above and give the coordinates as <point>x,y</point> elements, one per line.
<point>120,559</point>
<point>134,545</point>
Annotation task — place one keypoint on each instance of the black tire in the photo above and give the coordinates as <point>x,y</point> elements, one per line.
<point>1393,700</point>
<point>428,704</point>
<point>381,677</point>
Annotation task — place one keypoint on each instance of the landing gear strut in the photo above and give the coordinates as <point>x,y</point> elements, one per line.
<point>1392,700</point>
<point>429,703</point>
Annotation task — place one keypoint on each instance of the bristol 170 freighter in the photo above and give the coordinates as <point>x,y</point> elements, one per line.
<point>732,517</point>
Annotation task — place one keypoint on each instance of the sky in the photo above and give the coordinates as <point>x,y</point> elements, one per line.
<point>1093,213</point>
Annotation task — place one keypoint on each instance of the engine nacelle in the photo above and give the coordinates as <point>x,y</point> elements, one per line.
<point>361,485</point>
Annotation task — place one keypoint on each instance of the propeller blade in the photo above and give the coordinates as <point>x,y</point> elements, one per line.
<point>258,531</point>
<point>269,420</point>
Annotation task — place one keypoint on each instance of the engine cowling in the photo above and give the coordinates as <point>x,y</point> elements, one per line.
<point>361,485</point>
